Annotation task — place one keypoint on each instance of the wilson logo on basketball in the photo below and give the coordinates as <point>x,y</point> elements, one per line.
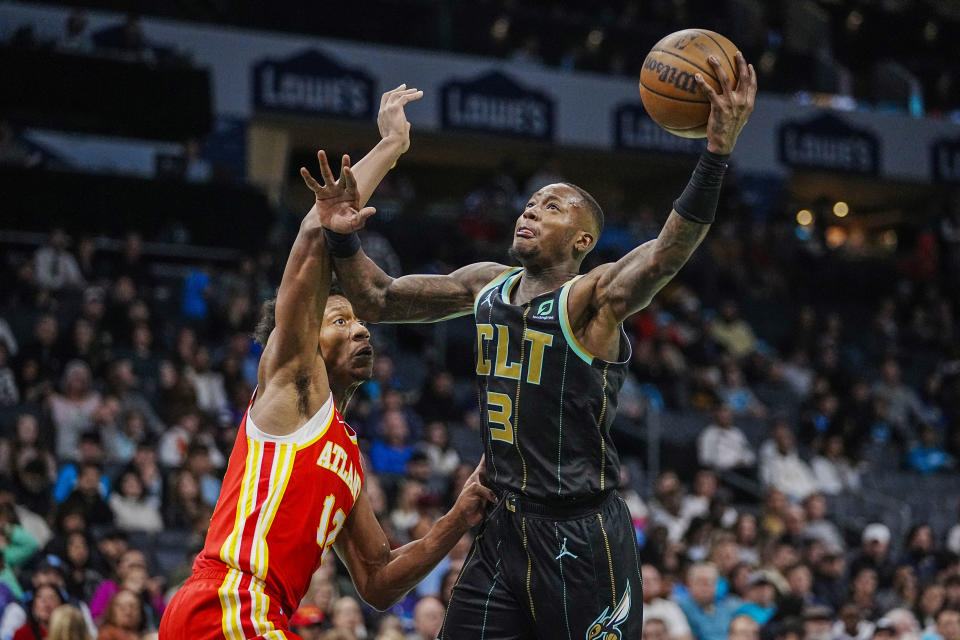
<point>682,80</point>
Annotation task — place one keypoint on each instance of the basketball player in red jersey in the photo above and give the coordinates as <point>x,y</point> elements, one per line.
<point>294,485</point>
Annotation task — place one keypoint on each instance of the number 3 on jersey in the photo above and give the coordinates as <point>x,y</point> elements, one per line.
<point>500,415</point>
<point>324,539</point>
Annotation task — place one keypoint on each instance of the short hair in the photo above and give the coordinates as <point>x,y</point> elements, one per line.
<point>268,315</point>
<point>592,205</point>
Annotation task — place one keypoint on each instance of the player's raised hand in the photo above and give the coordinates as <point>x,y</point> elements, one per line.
<point>474,497</point>
<point>729,109</point>
<point>392,121</point>
<point>338,201</point>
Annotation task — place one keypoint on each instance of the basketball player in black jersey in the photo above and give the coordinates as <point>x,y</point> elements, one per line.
<point>557,556</point>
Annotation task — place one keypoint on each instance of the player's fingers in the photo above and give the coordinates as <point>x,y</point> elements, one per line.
<point>345,161</point>
<point>705,87</point>
<point>721,74</point>
<point>349,182</point>
<point>487,494</point>
<point>309,180</point>
<point>383,98</point>
<point>410,97</point>
<point>742,71</point>
<point>325,172</point>
<point>366,212</point>
<point>752,82</point>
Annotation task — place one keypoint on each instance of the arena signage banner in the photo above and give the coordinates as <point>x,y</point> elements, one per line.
<point>311,82</point>
<point>829,143</point>
<point>633,129</point>
<point>496,103</point>
<point>945,160</point>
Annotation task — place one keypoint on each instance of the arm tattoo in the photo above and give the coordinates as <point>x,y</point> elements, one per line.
<point>679,239</point>
<point>425,299</point>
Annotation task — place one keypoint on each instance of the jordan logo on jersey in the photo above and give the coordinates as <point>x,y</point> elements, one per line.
<point>607,626</point>
<point>335,459</point>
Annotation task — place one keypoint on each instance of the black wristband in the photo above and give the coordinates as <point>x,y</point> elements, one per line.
<point>698,202</point>
<point>342,245</point>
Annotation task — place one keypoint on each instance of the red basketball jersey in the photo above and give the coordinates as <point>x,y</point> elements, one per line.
<point>283,502</point>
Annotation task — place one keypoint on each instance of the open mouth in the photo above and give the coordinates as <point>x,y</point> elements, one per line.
<point>363,352</point>
<point>523,232</point>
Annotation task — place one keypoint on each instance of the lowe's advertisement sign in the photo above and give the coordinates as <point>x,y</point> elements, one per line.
<point>496,103</point>
<point>313,83</point>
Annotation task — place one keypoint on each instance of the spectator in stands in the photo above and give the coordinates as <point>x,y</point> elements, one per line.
<point>145,464</point>
<point>348,618</point>
<point>851,625</point>
<point>28,446</point>
<point>902,593</point>
<point>904,624</point>
<point>747,537</point>
<point>904,408</point>
<point>735,393</point>
<point>16,545</point>
<point>832,469</point>
<point>81,578</point>
<point>72,412</point>
<point>667,508</point>
<point>124,619</point>
<point>947,626</point>
<point>709,617</point>
<point>781,466</point>
<point>654,629</point>
<point>45,355</point>
<point>441,454</point>
<point>208,384</point>
<point>128,563</point>
<point>184,502</point>
<point>90,451</point>
<point>927,455</point>
<point>863,592</point>
<point>132,509</point>
<point>919,552</point>
<point>744,627</point>
<point>655,606</point>
<point>389,454</point>
<point>819,526</point>
<point>86,496</point>
<point>55,267</point>
<point>67,623</point>
<point>427,619</point>
<point>123,385</point>
<point>46,599</point>
<point>722,446</point>
<point>734,333</point>
<point>874,554</point>
<point>761,598</point>
<point>933,597</point>
<point>829,583</point>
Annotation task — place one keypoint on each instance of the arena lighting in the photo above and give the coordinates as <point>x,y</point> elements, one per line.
<point>841,209</point>
<point>835,236</point>
<point>889,239</point>
<point>804,217</point>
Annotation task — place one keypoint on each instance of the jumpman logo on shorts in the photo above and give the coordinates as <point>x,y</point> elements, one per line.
<point>564,552</point>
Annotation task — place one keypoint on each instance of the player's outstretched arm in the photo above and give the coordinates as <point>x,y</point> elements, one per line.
<point>306,281</point>
<point>382,576</point>
<point>375,296</point>
<point>626,286</point>
<point>394,140</point>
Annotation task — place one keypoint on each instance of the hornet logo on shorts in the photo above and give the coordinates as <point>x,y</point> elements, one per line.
<point>607,626</point>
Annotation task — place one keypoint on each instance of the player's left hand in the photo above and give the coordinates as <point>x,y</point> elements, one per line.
<point>338,201</point>
<point>729,109</point>
<point>391,120</point>
<point>472,502</point>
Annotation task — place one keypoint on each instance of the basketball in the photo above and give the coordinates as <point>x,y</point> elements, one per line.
<point>668,87</point>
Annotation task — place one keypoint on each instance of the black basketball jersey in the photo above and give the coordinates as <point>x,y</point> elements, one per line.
<point>546,403</point>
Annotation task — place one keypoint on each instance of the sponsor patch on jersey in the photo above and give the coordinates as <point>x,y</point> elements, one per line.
<point>545,310</point>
